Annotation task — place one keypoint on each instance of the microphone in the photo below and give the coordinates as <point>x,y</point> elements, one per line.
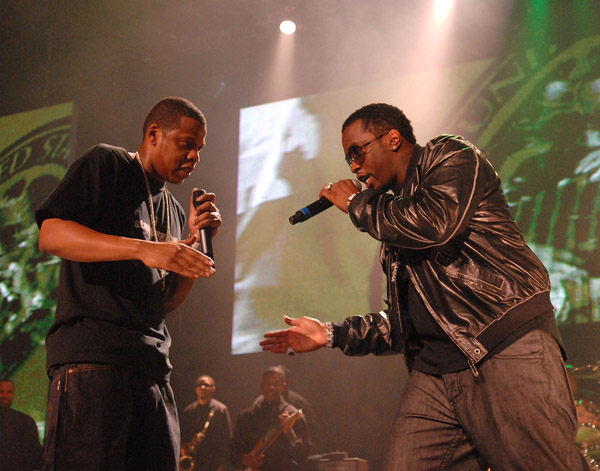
<point>316,207</point>
<point>205,232</point>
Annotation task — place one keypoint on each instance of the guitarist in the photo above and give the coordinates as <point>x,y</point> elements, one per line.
<point>257,425</point>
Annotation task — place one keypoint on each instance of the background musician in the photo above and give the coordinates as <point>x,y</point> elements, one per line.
<point>299,402</point>
<point>20,448</point>
<point>206,441</point>
<point>265,418</point>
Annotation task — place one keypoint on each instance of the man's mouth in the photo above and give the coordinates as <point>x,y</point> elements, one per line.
<point>365,179</point>
<point>187,170</point>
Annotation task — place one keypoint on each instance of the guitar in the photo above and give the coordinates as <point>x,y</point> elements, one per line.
<point>265,442</point>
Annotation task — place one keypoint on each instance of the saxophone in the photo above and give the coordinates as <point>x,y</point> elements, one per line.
<point>186,462</point>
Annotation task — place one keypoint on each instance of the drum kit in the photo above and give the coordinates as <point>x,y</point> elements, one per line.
<point>585,384</point>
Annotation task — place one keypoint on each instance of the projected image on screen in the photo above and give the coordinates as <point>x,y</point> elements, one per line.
<point>537,122</point>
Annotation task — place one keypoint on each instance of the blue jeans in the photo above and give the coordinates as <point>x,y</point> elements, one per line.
<point>104,417</point>
<point>517,415</point>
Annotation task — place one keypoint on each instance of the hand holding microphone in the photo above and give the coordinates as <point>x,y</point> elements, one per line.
<point>332,194</point>
<point>207,233</point>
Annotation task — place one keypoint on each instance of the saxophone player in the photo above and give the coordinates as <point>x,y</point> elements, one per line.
<point>205,431</point>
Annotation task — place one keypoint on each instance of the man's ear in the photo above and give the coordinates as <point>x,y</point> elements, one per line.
<point>394,139</point>
<point>152,133</point>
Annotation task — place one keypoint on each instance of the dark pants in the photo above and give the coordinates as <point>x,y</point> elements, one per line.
<point>518,415</point>
<point>103,417</point>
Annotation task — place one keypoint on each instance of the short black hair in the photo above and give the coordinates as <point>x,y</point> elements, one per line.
<point>381,117</point>
<point>276,370</point>
<point>168,111</point>
<point>285,370</point>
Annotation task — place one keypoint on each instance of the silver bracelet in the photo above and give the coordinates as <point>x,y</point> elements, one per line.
<point>350,199</point>
<point>328,335</point>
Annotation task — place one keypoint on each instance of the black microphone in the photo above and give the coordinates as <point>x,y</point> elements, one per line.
<point>205,232</point>
<point>316,207</point>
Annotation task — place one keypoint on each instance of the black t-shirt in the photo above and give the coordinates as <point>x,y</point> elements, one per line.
<point>112,312</point>
<point>438,354</point>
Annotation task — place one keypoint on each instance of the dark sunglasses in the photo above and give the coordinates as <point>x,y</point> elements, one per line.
<point>355,153</point>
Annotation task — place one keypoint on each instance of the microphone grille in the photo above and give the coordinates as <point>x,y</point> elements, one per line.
<point>357,184</point>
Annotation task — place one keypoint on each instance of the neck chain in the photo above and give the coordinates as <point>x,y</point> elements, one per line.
<point>163,273</point>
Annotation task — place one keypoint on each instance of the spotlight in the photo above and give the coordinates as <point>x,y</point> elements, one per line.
<point>442,8</point>
<point>287,27</point>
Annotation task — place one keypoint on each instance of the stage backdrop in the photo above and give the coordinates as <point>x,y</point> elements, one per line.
<point>35,149</point>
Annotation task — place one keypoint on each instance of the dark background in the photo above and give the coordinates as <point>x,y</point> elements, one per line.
<point>115,59</point>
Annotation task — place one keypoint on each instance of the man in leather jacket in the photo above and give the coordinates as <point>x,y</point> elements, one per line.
<point>468,306</point>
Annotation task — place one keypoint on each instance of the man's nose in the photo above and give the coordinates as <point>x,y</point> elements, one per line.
<point>194,155</point>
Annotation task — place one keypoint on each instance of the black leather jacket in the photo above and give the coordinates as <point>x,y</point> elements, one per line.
<point>451,227</point>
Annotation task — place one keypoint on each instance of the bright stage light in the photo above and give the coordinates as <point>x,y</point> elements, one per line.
<point>442,8</point>
<point>287,27</point>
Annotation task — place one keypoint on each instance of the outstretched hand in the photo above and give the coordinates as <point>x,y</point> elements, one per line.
<point>178,257</point>
<point>305,335</point>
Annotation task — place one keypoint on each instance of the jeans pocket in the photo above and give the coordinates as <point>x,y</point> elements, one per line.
<point>80,375</point>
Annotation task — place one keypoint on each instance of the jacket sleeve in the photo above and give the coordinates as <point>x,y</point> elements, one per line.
<point>438,202</point>
<point>361,335</point>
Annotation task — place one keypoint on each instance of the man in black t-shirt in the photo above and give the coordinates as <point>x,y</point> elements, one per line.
<point>127,261</point>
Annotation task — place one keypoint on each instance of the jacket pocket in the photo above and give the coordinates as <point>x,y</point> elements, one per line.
<point>476,278</point>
